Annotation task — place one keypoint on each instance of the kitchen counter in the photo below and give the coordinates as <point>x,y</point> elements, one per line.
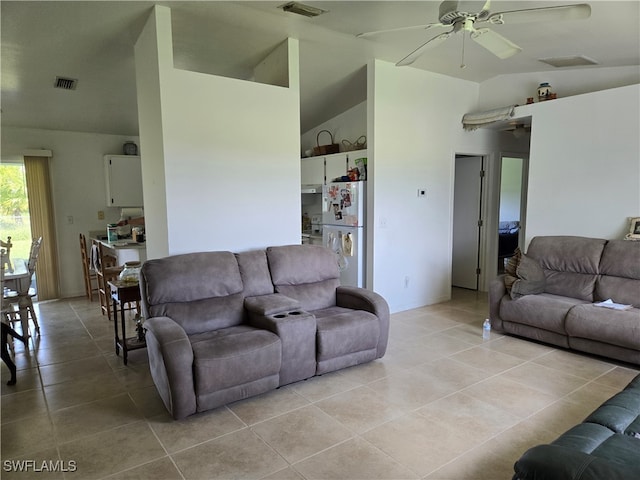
<point>125,249</point>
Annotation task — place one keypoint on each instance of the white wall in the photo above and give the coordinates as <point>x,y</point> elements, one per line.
<point>231,156</point>
<point>584,166</point>
<point>415,132</point>
<point>77,173</point>
<point>153,54</point>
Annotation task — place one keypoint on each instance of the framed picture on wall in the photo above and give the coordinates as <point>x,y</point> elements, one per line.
<point>634,229</point>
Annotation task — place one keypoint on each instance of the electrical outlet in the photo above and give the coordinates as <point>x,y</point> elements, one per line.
<point>100,215</point>
<point>422,192</point>
<point>70,219</point>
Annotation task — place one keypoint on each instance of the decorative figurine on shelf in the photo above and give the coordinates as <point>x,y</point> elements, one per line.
<point>130,148</point>
<point>544,92</point>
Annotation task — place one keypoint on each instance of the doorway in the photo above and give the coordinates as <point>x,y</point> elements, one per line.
<point>15,220</point>
<point>511,217</point>
<point>467,221</point>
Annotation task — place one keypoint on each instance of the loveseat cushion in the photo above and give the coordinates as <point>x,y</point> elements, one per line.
<point>307,273</point>
<point>343,333</point>
<point>199,291</point>
<point>545,311</point>
<point>570,264</point>
<point>255,274</point>
<point>615,327</point>
<point>233,356</point>
<point>620,273</point>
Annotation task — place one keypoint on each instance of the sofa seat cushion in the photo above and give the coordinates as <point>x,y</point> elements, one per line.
<point>544,311</point>
<point>233,356</point>
<point>344,333</point>
<point>615,327</point>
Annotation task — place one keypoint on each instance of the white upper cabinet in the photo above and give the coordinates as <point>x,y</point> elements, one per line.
<point>123,174</point>
<point>335,166</point>
<point>312,171</point>
<point>324,169</point>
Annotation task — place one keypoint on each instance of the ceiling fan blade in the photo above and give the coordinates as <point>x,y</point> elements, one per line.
<point>544,14</point>
<point>500,46</point>
<point>400,29</point>
<point>434,42</point>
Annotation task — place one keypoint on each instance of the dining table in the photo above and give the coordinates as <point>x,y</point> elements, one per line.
<point>18,280</point>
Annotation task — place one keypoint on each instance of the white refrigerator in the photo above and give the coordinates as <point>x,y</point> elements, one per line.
<point>343,228</point>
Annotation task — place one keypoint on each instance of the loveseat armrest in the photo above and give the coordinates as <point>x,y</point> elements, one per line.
<point>497,290</point>
<point>270,304</point>
<point>171,365</point>
<point>362,299</point>
<point>297,332</point>
<point>555,462</point>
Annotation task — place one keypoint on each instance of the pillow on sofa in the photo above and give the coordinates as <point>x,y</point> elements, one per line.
<point>523,276</point>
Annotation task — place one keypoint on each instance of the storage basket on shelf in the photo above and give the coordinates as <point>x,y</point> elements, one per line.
<point>325,149</point>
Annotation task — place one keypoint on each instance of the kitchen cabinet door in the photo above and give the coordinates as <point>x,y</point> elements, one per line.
<point>123,175</point>
<point>312,171</point>
<point>335,166</point>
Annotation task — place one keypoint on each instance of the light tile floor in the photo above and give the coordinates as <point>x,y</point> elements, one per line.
<point>442,404</point>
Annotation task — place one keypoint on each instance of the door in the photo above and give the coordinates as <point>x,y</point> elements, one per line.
<point>467,221</point>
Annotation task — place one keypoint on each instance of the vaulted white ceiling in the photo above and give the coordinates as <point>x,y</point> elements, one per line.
<point>93,43</point>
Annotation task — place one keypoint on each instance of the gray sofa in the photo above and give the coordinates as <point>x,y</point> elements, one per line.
<point>560,310</point>
<point>221,326</point>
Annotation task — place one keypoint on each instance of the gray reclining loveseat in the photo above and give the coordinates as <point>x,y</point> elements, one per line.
<point>221,326</point>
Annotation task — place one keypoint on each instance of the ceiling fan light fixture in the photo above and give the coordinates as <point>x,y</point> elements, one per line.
<point>302,9</point>
<point>569,61</point>
<point>495,43</point>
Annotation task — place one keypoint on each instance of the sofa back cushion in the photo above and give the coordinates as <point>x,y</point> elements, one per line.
<point>620,273</point>
<point>255,274</point>
<point>307,273</point>
<point>570,264</point>
<point>199,291</point>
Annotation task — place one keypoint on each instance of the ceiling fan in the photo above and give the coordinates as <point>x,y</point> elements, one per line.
<point>458,21</point>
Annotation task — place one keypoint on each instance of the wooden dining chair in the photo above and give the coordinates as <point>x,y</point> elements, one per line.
<point>107,269</point>
<point>5,254</point>
<point>90,276</point>
<point>18,302</point>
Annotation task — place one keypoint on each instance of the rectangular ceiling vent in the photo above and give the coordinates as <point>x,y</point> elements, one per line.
<point>66,83</point>
<point>301,9</point>
<point>571,61</point>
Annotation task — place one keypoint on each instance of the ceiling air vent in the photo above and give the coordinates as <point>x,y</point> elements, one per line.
<point>572,61</point>
<point>66,83</point>
<point>301,9</point>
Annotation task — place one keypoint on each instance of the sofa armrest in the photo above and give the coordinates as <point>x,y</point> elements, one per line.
<point>369,301</point>
<point>497,290</point>
<point>554,462</point>
<point>297,332</point>
<point>171,364</point>
<point>270,304</point>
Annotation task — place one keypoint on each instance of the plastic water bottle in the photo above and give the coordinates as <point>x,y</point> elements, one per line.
<point>486,329</point>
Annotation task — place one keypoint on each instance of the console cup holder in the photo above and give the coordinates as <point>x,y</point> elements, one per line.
<point>293,313</point>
